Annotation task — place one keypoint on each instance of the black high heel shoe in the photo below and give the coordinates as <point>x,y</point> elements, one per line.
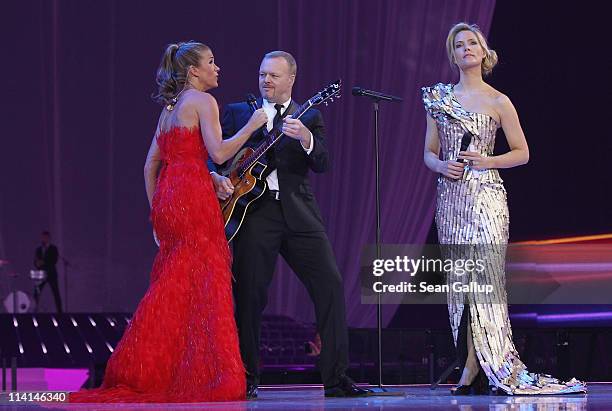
<point>462,389</point>
<point>481,383</point>
<point>479,386</point>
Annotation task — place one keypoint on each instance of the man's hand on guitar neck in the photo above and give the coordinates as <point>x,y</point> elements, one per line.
<point>223,186</point>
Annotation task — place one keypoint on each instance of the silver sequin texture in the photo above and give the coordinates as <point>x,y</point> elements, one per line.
<point>472,219</point>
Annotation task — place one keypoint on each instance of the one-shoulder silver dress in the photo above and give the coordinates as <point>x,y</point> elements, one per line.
<point>472,217</point>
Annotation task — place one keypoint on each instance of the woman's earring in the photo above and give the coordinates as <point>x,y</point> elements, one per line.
<point>173,102</point>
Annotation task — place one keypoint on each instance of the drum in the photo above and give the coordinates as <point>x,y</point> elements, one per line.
<point>19,300</point>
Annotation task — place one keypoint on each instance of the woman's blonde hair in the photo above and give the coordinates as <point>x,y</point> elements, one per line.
<point>490,56</point>
<point>173,68</point>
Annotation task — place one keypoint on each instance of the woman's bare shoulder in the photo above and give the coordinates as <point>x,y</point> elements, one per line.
<point>199,97</point>
<point>498,99</point>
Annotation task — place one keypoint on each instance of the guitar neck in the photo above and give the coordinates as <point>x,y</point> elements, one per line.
<point>270,140</point>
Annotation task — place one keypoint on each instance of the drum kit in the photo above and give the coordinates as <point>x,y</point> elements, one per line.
<point>18,301</point>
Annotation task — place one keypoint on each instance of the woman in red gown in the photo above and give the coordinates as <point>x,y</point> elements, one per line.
<point>182,345</point>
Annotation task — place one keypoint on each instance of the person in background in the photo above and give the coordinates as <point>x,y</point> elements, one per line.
<point>45,258</point>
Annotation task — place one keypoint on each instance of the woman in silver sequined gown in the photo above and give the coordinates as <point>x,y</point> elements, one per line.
<point>472,213</point>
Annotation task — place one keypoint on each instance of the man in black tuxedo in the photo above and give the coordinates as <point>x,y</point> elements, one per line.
<point>287,220</point>
<point>45,258</point>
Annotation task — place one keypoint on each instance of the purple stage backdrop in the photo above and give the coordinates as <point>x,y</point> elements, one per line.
<point>79,121</point>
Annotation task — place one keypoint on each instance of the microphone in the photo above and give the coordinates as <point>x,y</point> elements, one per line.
<point>376,95</point>
<point>251,101</point>
<point>466,140</point>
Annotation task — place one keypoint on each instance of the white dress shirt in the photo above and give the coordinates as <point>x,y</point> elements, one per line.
<point>268,107</point>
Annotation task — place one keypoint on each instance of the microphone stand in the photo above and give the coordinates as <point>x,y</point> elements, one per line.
<point>379,390</point>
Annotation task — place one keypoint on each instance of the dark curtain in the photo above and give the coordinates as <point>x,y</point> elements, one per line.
<point>78,121</point>
<point>392,46</point>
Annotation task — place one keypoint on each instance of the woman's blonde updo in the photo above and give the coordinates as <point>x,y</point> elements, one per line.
<point>173,69</point>
<point>490,56</point>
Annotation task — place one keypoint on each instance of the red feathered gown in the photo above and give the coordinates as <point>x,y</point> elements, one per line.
<point>182,344</point>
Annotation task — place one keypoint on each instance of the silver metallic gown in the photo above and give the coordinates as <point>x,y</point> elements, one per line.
<point>472,220</point>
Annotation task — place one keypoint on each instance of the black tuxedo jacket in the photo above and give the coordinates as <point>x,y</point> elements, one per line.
<point>49,258</point>
<point>291,162</point>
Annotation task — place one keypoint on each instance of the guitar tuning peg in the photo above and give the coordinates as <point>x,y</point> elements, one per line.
<point>331,99</point>
<point>326,104</point>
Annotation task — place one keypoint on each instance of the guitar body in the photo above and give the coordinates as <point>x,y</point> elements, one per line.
<point>247,189</point>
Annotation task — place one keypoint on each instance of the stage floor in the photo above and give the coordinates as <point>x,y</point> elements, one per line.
<point>418,397</point>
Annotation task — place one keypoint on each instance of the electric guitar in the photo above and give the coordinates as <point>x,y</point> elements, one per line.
<point>247,167</point>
